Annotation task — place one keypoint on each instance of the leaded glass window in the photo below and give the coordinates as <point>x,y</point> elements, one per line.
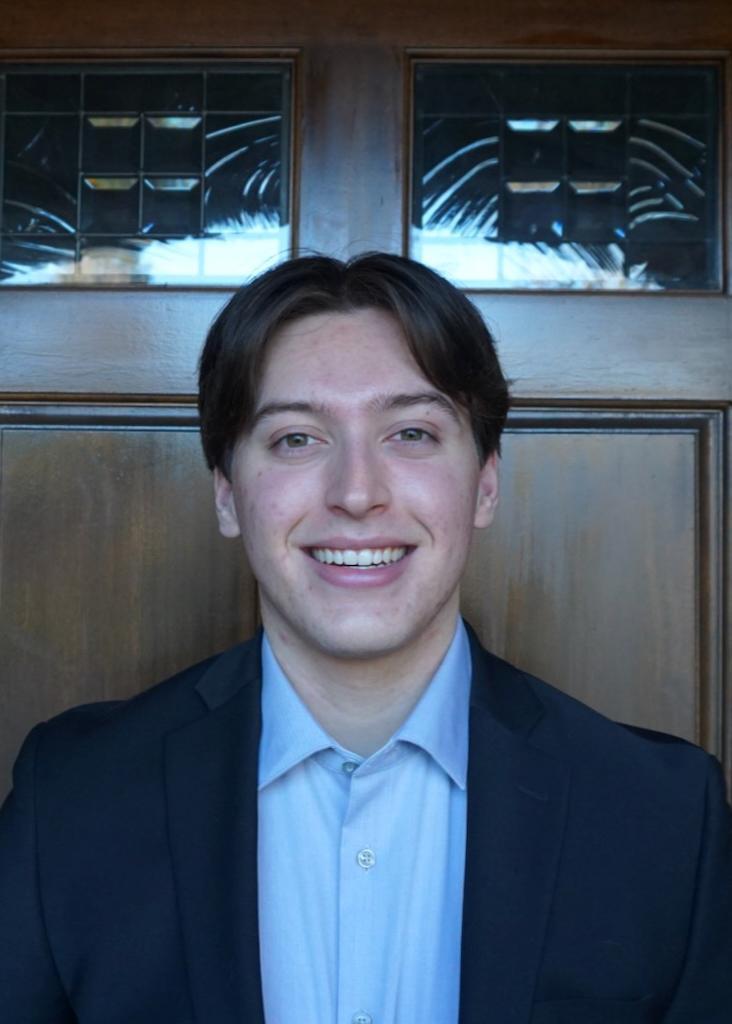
<point>571,176</point>
<point>174,174</point>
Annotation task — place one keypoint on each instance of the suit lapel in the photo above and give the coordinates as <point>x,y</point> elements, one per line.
<point>517,797</point>
<point>211,768</point>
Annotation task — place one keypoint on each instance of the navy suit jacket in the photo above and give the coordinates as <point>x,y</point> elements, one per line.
<point>598,882</point>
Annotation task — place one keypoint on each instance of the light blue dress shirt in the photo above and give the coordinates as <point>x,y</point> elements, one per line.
<point>361,861</point>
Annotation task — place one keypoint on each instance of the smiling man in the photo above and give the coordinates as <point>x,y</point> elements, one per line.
<point>360,816</point>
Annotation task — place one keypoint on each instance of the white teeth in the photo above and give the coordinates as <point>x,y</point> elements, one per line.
<point>364,558</point>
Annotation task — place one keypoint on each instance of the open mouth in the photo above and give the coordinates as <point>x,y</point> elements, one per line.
<point>359,558</point>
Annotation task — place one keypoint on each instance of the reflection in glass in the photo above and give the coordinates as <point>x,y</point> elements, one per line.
<point>146,175</point>
<point>243,172</point>
<point>571,176</point>
<point>40,174</point>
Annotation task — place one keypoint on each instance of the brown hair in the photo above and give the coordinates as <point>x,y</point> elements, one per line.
<point>443,330</point>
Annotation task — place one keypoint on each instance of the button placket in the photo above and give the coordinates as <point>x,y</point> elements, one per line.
<point>358,898</point>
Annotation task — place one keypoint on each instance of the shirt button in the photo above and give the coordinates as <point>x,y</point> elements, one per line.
<point>362,1018</point>
<point>366,859</point>
<point>349,767</point>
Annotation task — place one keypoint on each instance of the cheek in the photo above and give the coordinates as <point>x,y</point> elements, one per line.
<point>273,503</point>
<point>443,496</point>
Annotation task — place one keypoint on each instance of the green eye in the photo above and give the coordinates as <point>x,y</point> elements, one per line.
<point>296,440</point>
<point>412,434</point>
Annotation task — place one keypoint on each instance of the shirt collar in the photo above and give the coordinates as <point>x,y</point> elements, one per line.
<point>438,723</point>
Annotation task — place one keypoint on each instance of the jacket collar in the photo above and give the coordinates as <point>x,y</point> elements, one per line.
<point>517,805</point>
<point>211,787</point>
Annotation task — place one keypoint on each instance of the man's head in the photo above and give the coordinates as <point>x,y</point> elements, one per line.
<point>445,334</point>
<point>352,415</point>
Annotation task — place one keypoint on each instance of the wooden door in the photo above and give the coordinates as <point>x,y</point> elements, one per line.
<point>607,571</point>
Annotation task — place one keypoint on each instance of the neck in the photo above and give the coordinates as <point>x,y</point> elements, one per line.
<point>361,702</point>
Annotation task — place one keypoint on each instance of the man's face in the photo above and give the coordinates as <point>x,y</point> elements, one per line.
<point>354,457</point>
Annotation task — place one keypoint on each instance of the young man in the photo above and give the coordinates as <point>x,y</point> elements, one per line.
<point>360,817</point>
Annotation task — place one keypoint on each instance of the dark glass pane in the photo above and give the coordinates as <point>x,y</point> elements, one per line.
<point>596,212</point>
<point>111,143</point>
<point>533,147</point>
<point>596,147</point>
<point>666,91</point>
<point>143,92</point>
<point>442,89</point>
<point>41,153</point>
<point>171,206</point>
<point>109,205</point>
<point>549,90</point>
<point>22,258</point>
<point>674,266</point>
<point>254,91</point>
<point>43,92</point>
<point>243,171</point>
<point>173,143</point>
<point>585,160</point>
<point>534,211</point>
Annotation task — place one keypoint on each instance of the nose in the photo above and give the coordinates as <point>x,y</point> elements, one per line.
<point>357,483</point>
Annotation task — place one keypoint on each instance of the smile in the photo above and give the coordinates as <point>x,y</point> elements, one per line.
<point>363,558</point>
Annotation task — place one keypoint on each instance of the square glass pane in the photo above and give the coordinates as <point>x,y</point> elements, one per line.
<point>110,205</point>
<point>532,147</point>
<point>144,174</point>
<point>171,206</point>
<point>111,143</point>
<point>593,168</point>
<point>173,143</point>
<point>596,147</point>
<point>533,211</point>
<point>596,212</point>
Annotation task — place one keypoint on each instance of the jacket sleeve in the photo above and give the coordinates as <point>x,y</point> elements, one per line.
<point>30,988</point>
<point>704,992</point>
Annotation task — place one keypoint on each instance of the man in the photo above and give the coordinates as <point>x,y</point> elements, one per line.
<point>360,817</point>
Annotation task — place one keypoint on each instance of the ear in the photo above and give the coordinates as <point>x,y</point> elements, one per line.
<point>487,496</point>
<point>225,506</point>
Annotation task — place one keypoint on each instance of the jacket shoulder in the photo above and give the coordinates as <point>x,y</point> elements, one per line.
<point>571,731</point>
<point>127,724</point>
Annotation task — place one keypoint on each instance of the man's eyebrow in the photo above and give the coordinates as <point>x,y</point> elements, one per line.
<point>381,403</point>
<point>274,408</point>
<point>404,401</point>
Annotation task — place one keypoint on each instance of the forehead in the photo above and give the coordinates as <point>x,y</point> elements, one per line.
<point>341,352</point>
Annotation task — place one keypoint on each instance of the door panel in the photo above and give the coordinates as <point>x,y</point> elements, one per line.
<point>112,572</point>
<point>584,579</point>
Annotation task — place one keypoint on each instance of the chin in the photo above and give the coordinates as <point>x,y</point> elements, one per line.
<point>363,638</point>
